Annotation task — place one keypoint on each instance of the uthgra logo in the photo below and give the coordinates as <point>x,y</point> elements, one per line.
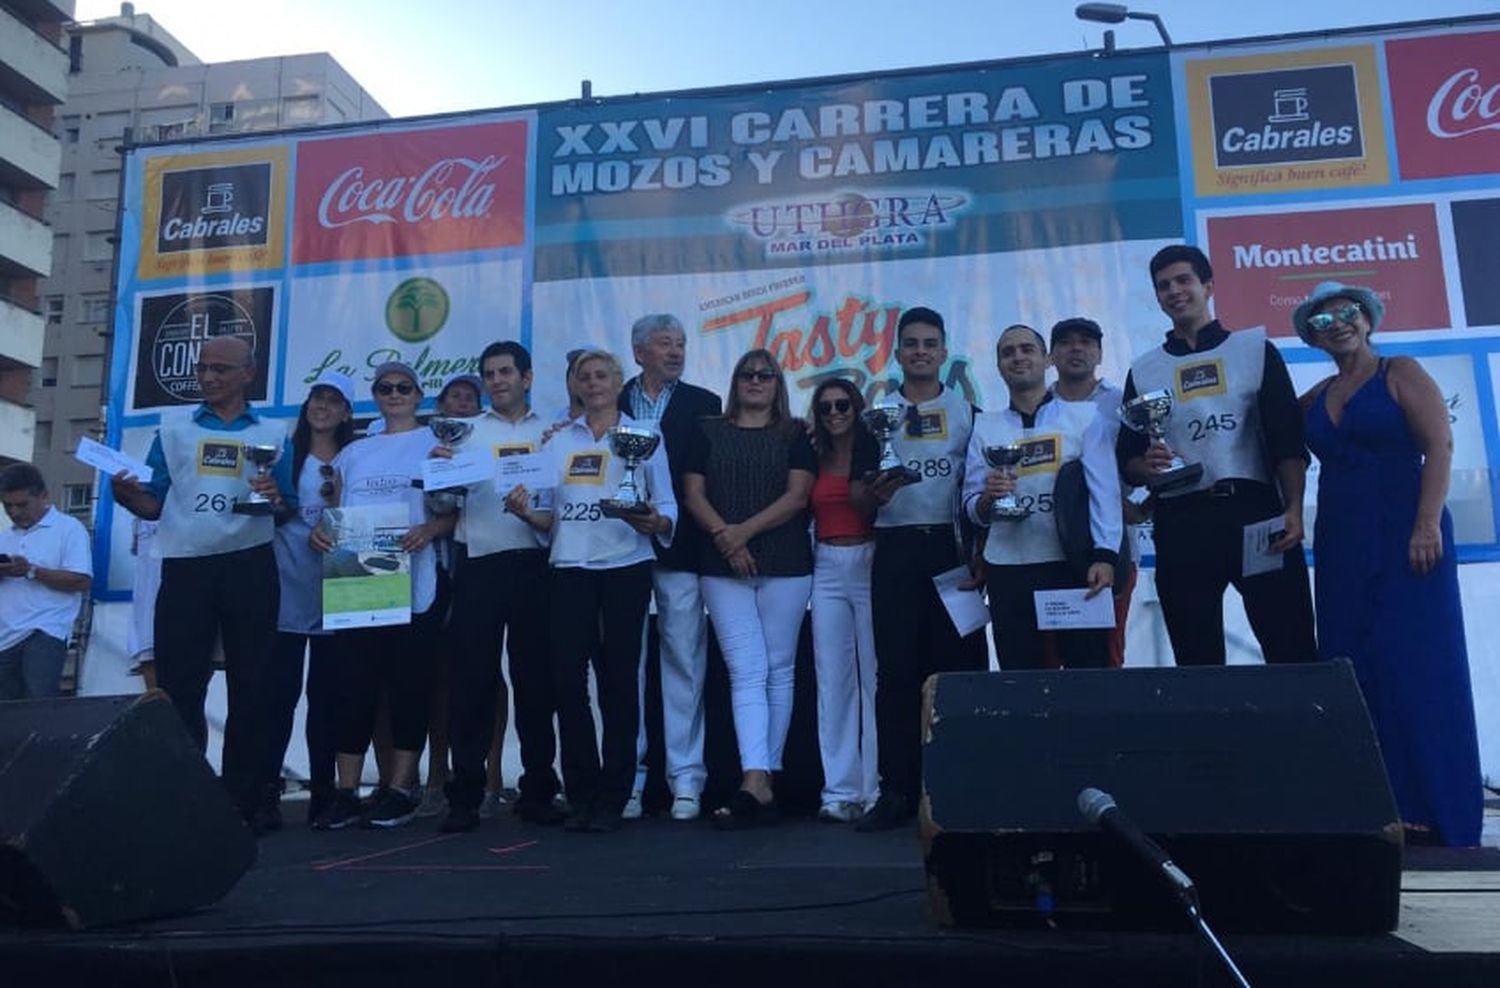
<point>209,208</point>
<point>848,220</point>
<point>416,310</point>
<point>174,329</point>
<point>1288,115</point>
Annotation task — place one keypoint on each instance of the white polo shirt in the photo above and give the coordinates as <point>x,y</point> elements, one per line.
<point>56,541</point>
<point>485,527</point>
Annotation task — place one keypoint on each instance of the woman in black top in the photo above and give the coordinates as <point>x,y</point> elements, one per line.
<point>747,483</point>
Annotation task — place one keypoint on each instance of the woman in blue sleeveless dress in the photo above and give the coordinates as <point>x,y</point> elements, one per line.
<point>1386,575</point>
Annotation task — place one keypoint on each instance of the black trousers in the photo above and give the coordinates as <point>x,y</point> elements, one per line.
<point>234,596</point>
<point>914,638</point>
<point>397,659</point>
<point>500,599</point>
<point>284,686</point>
<point>1018,643</point>
<point>1199,552</point>
<point>598,613</point>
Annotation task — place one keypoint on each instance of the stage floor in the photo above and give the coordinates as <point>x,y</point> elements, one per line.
<point>801,903</point>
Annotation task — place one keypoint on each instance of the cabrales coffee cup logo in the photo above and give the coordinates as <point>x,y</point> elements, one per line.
<point>849,220</point>
<point>1040,454</point>
<point>1200,380</point>
<point>218,459</point>
<point>416,310</point>
<point>586,468</point>
<point>1288,120</point>
<point>173,329</point>
<point>213,212</point>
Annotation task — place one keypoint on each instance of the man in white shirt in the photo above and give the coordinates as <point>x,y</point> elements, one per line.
<point>44,572</point>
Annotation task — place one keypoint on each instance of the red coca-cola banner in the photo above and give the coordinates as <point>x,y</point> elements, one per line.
<point>1265,265</point>
<point>1445,98</point>
<point>414,192</point>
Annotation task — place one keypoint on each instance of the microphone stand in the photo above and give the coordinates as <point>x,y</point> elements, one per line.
<point>1190,903</point>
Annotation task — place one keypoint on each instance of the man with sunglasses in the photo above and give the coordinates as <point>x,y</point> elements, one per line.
<point>500,597</point>
<point>219,574</point>
<point>658,397</point>
<point>916,537</point>
<point>1236,413</point>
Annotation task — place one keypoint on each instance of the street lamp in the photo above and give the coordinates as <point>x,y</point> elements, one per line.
<point>1116,13</point>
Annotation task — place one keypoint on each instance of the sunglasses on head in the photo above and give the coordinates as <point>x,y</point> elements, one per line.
<point>1344,314</point>
<point>325,470</point>
<point>402,387</point>
<point>763,376</point>
<point>840,405</point>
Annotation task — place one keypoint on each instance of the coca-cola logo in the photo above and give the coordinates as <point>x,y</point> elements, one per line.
<point>401,193</point>
<point>1463,106</point>
<point>450,187</point>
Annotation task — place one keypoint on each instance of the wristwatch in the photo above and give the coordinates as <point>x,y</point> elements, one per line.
<point>31,572</point>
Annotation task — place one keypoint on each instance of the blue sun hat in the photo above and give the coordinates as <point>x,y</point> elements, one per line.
<point>1364,297</point>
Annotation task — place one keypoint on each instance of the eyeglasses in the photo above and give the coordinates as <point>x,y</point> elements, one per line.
<point>763,376</point>
<point>840,405</point>
<point>217,369</point>
<point>384,388</point>
<point>1344,314</point>
<point>325,470</point>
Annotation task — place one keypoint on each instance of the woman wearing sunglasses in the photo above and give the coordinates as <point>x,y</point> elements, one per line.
<point>379,469</point>
<point>1386,575</point>
<point>842,625</point>
<point>747,481</point>
<point>325,425</point>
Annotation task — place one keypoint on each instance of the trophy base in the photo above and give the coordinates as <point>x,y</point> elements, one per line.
<point>417,483</point>
<point>611,508</point>
<point>1176,478</point>
<point>906,475</point>
<point>255,508</point>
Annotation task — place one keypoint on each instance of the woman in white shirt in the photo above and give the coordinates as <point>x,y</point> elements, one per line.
<point>379,469</point>
<point>601,579</point>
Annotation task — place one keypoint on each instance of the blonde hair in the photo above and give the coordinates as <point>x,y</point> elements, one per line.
<point>610,361</point>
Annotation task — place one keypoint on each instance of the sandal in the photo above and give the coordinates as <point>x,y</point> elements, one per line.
<point>744,811</point>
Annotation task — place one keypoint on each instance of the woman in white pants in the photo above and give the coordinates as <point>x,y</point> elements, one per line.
<point>747,482</point>
<point>842,625</point>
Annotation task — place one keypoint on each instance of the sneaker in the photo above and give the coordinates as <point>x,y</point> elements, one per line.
<point>632,809</point>
<point>342,810</point>
<point>888,813</point>
<point>394,808</point>
<point>460,820</point>
<point>685,807</point>
<point>434,802</point>
<point>494,799</point>
<point>840,812</point>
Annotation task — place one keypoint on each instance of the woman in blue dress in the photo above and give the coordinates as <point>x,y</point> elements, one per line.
<point>1386,575</point>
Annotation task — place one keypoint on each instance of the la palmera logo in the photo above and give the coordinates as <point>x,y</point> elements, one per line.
<point>416,310</point>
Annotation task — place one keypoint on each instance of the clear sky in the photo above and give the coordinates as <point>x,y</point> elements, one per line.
<point>431,56</point>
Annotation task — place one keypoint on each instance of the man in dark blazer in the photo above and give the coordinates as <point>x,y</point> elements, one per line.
<point>659,396</point>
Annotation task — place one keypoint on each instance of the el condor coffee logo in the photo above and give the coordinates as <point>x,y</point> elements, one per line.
<point>173,329</point>
<point>211,208</point>
<point>1287,115</point>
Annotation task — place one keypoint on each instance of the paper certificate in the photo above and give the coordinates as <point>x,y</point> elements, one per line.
<point>965,607</point>
<point>1066,610</point>
<point>467,466</point>
<point>366,576</point>
<point>110,461</point>
<point>1256,553</point>
<point>533,471</point>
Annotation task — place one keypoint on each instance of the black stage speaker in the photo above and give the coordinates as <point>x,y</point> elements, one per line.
<point>108,813</point>
<point>1262,782</point>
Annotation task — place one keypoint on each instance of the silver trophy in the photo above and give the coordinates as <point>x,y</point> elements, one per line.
<point>263,456</point>
<point>884,421</point>
<point>1148,413</point>
<point>450,434</point>
<point>632,445</point>
<point>1005,459</point>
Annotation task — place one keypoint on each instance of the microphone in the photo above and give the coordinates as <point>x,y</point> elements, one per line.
<point>1099,808</point>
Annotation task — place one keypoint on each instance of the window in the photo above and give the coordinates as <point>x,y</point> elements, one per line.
<point>77,429</point>
<point>76,497</point>
<point>104,185</point>
<point>95,308</point>
<point>110,126</point>
<point>98,245</point>
<point>54,306</point>
<point>86,372</point>
<point>59,251</point>
<point>70,135</point>
<point>43,436</point>
<point>65,124</point>
<point>49,376</point>
<point>300,110</point>
<point>64,186</point>
<point>220,113</point>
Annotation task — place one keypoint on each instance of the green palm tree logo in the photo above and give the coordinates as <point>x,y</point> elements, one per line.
<point>416,310</point>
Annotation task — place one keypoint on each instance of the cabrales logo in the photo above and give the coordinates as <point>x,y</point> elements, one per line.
<point>1200,380</point>
<point>1290,115</point>
<point>218,458</point>
<point>1040,454</point>
<point>206,213</point>
<point>849,220</point>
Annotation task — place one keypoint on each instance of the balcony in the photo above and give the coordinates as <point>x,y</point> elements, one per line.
<point>21,334</point>
<point>17,432</point>
<point>30,157</point>
<point>32,67</point>
<point>25,244</point>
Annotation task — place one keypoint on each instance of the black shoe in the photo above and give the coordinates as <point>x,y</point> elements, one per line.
<point>540,811</point>
<point>318,801</point>
<point>460,819</point>
<point>888,813</point>
<point>342,811</point>
<point>578,819</point>
<point>603,821</point>
<point>266,819</point>
<point>392,808</point>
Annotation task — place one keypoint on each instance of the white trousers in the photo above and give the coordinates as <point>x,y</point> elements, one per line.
<point>757,622</point>
<point>683,630</point>
<point>844,659</point>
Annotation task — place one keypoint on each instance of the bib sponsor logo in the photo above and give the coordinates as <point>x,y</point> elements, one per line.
<point>1201,380</point>
<point>1040,454</point>
<point>586,468</point>
<point>218,458</point>
<point>516,450</point>
<point>928,425</point>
